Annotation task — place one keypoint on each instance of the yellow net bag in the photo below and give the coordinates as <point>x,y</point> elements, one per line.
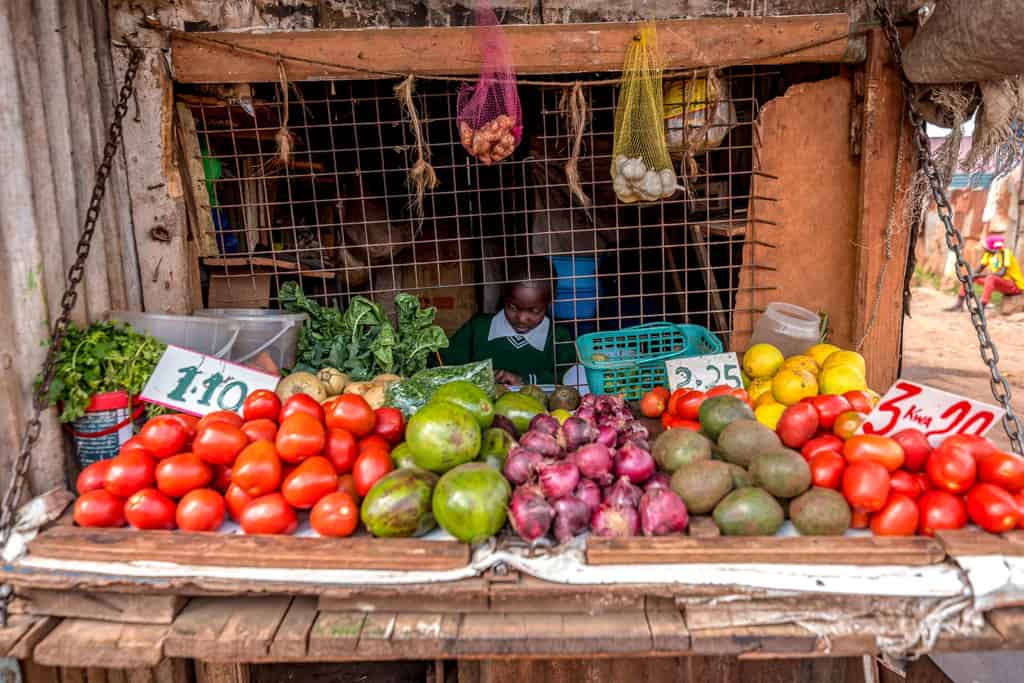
<point>641,166</point>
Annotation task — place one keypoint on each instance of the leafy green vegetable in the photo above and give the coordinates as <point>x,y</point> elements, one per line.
<point>363,342</point>
<point>106,356</point>
<point>412,394</point>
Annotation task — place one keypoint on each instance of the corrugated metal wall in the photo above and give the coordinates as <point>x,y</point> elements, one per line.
<point>56,98</point>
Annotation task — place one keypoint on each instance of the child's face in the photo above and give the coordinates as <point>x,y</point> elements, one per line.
<point>525,307</point>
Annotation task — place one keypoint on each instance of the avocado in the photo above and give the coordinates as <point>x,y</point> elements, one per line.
<point>564,398</point>
<point>740,476</point>
<point>702,484</point>
<point>782,473</point>
<point>677,447</point>
<point>820,512</point>
<point>749,511</point>
<point>743,440</point>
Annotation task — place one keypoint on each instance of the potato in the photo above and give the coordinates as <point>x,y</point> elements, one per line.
<point>301,383</point>
<point>334,380</point>
<point>359,388</point>
<point>386,378</point>
<point>376,395</point>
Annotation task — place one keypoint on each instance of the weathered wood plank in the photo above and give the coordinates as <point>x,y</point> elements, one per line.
<point>85,643</point>
<point>335,634</point>
<point>457,597</point>
<point>10,634</point>
<point>668,629</point>
<point>210,549</point>
<point>293,634</point>
<point>1009,622</point>
<point>425,636</point>
<point>532,595</point>
<point>218,672</point>
<point>534,49</point>
<point>249,630</point>
<point>976,542</point>
<point>862,550</point>
<point>501,634</point>
<point>773,638</point>
<point>195,632</point>
<point>987,638</point>
<point>138,609</point>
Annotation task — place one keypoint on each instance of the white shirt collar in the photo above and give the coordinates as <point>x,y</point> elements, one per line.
<point>501,328</point>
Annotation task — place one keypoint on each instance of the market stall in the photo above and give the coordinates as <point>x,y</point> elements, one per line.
<point>358,466</point>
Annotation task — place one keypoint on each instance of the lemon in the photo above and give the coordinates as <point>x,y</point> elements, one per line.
<point>872,396</point>
<point>769,414</point>
<point>851,358</point>
<point>839,379</point>
<point>758,387</point>
<point>762,360</point>
<point>561,415</point>
<point>765,399</point>
<point>746,380</point>
<point>802,363</point>
<point>791,386</point>
<point>820,352</point>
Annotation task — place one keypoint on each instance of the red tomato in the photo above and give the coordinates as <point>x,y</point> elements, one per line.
<point>219,443</point>
<point>797,425</point>
<point>181,473</point>
<point>200,510</point>
<point>300,436</point>
<point>827,468</point>
<point>258,469</point>
<point>952,469</point>
<point>133,444</point>
<point>899,517</point>
<point>149,509</point>
<point>847,424</point>
<point>98,508</point>
<point>992,508</point>
<point>975,446</point>
<point>301,403</point>
<point>916,448</point>
<point>1002,469</point>
<point>923,482</point>
<point>353,413</point>
<point>262,404</point>
<point>907,484</point>
<point>221,478</point>
<point>340,449</point>
<point>92,477</point>
<point>373,442</point>
<point>163,436</point>
<point>859,401</point>
<point>866,485</point>
<point>720,390</point>
<point>226,416</point>
<point>268,514</point>
<point>652,405</point>
<point>826,443</point>
<point>829,407</point>
<point>309,482</point>
<point>368,468</point>
<point>663,392</point>
<point>1019,499</point>
<point>859,519</point>
<point>669,421</point>
<point>689,405</point>
<point>336,514</point>
<point>260,429</point>
<point>742,395</point>
<point>880,449</point>
<point>673,401</point>
<point>189,422</point>
<point>939,511</point>
<point>236,500</point>
<point>389,423</point>
<point>347,484</point>
<point>128,473</point>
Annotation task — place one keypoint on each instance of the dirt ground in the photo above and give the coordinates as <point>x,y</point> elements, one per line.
<point>940,349</point>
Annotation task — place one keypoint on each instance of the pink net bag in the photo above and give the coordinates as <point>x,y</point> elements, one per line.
<point>489,116</point>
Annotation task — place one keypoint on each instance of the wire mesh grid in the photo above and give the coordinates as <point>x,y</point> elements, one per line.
<point>336,215</point>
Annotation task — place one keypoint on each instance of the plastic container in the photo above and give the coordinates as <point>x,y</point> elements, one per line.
<point>204,335</point>
<point>631,361</point>
<point>791,329</point>
<point>275,332</point>
<point>576,287</point>
<point>106,425</point>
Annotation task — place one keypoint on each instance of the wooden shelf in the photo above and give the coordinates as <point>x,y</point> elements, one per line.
<point>264,264</point>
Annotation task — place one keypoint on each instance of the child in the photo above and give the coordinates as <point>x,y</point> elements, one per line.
<point>520,339</point>
<point>999,272</point>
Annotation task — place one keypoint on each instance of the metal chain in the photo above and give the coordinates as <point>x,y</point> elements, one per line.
<point>954,238</point>
<point>40,397</point>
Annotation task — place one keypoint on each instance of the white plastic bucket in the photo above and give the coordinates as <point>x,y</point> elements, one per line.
<point>208,336</point>
<point>789,328</point>
<point>275,332</point>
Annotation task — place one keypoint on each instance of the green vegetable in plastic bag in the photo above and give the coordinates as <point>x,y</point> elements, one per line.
<point>412,394</point>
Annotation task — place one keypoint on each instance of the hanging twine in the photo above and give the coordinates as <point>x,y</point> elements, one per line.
<point>284,138</point>
<point>421,175</point>
<point>574,104</point>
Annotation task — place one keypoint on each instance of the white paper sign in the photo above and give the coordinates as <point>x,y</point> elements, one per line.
<point>192,383</point>
<point>937,413</point>
<point>704,372</point>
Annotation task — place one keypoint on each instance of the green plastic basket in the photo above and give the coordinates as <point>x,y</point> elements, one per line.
<point>635,356</point>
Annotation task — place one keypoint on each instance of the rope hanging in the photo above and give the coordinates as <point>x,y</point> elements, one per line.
<point>421,174</point>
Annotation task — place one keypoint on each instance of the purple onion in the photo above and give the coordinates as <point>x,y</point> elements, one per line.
<point>662,512</point>
<point>572,516</point>
<point>586,413</point>
<point>594,462</point>
<point>659,480</point>
<point>558,478</point>
<point>521,464</point>
<point>545,424</point>
<point>634,462</point>
<point>588,401</point>
<point>502,422</point>
<point>607,436</point>
<point>637,431</point>
<point>589,492</point>
<point>623,493</point>
<point>577,432</point>
<point>544,444</point>
<point>615,521</point>
<point>530,514</point>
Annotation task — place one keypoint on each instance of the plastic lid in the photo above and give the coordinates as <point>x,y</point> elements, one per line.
<point>111,400</point>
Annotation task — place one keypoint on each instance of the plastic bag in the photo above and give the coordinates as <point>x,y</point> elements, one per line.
<point>641,166</point>
<point>688,128</point>
<point>412,394</point>
<point>489,116</point>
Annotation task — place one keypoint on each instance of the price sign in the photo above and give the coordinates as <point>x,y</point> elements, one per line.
<point>704,372</point>
<point>192,383</point>
<point>937,413</point>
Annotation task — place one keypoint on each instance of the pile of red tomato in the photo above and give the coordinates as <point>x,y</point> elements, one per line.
<point>680,408</point>
<point>259,467</point>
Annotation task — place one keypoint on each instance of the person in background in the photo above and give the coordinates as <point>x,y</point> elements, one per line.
<point>999,272</point>
<point>520,339</point>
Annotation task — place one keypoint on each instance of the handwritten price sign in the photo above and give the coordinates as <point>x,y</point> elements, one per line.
<point>938,414</point>
<point>704,372</point>
<point>196,384</point>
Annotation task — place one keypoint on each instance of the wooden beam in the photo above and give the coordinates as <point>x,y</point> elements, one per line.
<point>535,49</point>
<point>883,181</point>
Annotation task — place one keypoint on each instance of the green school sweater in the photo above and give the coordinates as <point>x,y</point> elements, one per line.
<point>470,344</point>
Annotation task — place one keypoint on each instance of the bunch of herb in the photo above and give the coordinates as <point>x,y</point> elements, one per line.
<point>106,356</point>
<point>363,342</point>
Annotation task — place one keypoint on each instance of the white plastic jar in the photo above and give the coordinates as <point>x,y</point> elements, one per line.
<point>789,328</point>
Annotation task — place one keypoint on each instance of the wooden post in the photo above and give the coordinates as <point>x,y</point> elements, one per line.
<point>882,183</point>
